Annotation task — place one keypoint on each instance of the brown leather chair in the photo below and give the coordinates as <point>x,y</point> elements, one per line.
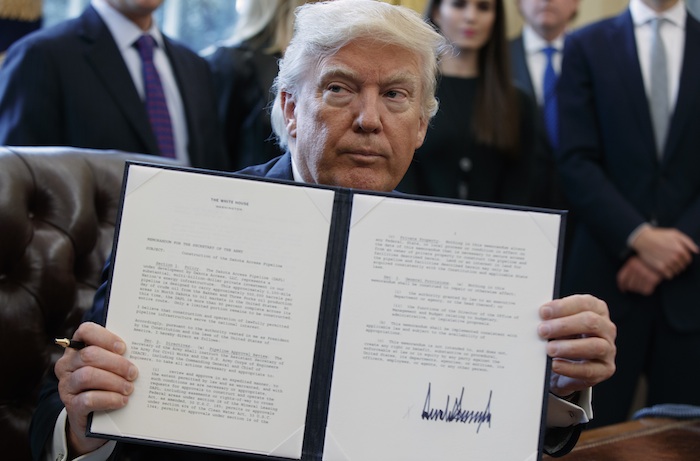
<point>58,208</point>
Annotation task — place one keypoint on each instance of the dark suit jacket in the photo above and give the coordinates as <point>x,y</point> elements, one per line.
<point>609,165</point>
<point>69,86</point>
<point>243,76</point>
<point>50,404</point>
<point>547,190</point>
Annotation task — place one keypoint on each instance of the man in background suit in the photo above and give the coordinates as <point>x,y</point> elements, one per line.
<point>632,174</point>
<point>80,84</point>
<point>350,112</point>
<point>545,25</point>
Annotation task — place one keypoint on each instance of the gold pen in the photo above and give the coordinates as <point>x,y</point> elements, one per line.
<point>65,342</point>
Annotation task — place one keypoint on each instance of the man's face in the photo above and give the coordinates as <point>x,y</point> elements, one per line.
<point>139,11</point>
<point>548,15</point>
<point>660,5</point>
<point>356,121</point>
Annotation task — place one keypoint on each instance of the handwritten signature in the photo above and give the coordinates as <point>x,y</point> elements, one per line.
<point>454,412</point>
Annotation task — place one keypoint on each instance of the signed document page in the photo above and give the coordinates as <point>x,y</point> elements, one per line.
<point>216,289</point>
<point>437,353</point>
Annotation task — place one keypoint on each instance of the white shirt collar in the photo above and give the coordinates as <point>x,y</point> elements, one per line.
<point>534,43</point>
<point>295,171</point>
<point>642,14</point>
<point>124,32</point>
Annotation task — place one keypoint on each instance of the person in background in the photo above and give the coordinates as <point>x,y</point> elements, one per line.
<point>628,106</point>
<point>536,63</point>
<point>480,144</point>
<point>109,79</point>
<point>17,19</point>
<point>354,97</point>
<point>244,68</point>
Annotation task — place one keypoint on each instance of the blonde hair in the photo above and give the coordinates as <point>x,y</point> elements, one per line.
<point>266,21</point>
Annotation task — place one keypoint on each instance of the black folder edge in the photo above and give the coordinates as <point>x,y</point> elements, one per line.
<point>555,294</point>
<point>329,314</point>
<point>327,332</point>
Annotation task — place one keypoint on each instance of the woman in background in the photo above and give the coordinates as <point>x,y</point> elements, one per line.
<point>480,145</point>
<point>244,67</point>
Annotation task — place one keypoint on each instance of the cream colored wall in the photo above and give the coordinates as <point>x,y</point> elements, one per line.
<point>417,5</point>
<point>589,11</point>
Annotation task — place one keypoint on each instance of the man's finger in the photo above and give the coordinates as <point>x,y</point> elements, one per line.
<point>97,335</point>
<point>582,349</point>
<point>586,323</point>
<point>87,402</point>
<point>89,378</point>
<point>587,373</point>
<point>571,305</point>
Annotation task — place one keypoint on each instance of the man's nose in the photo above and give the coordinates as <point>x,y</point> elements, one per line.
<point>368,117</point>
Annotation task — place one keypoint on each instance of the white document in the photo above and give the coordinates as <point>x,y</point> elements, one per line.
<point>425,315</point>
<point>216,290</point>
<point>437,354</point>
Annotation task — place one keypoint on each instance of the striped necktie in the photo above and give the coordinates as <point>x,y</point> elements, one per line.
<point>156,105</point>
<point>550,111</point>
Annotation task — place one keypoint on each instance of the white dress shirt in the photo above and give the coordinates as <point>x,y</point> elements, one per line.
<point>537,60</point>
<point>125,34</point>
<point>673,34</point>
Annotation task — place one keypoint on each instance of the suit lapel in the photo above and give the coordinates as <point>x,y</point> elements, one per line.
<point>282,169</point>
<point>625,57</point>
<point>187,93</point>
<point>688,90</point>
<point>106,60</point>
<point>520,70</point>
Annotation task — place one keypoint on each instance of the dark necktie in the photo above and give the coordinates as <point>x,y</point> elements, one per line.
<point>658,100</point>
<point>156,105</point>
<point>551,120</point>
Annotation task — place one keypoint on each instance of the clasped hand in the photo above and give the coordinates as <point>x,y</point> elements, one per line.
<point>661,254</point>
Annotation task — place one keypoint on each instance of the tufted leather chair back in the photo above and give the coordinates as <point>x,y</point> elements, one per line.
<point>58,208</point>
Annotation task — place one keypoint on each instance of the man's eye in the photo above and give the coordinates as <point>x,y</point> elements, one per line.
<point>393,94</point>
<point>335,88</point>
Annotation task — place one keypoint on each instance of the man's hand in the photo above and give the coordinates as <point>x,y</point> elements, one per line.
<point>94,378</point>
<point>582,342</point>
<point>636,277</point>
<point>665,250</point>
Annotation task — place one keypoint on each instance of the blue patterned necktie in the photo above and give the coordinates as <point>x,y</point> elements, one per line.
<point>156,105</point>
<point>658,98</point>
<point>550,111</point>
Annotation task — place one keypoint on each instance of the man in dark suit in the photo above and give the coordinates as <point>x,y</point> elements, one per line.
<point>351,113</point>
<point>630,164</point>
<point>545,26</point>
<point>81,84</point>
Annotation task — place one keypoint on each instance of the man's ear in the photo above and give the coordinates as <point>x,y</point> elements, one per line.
<point>289,107</point>
<point>422,131</point>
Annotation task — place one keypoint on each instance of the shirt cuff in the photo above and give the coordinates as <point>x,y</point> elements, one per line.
<point>635,233</point>
<point>561,413</point>
<point>58,451</point>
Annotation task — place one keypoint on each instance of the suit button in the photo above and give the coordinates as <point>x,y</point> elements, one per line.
<point>465,164</point>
